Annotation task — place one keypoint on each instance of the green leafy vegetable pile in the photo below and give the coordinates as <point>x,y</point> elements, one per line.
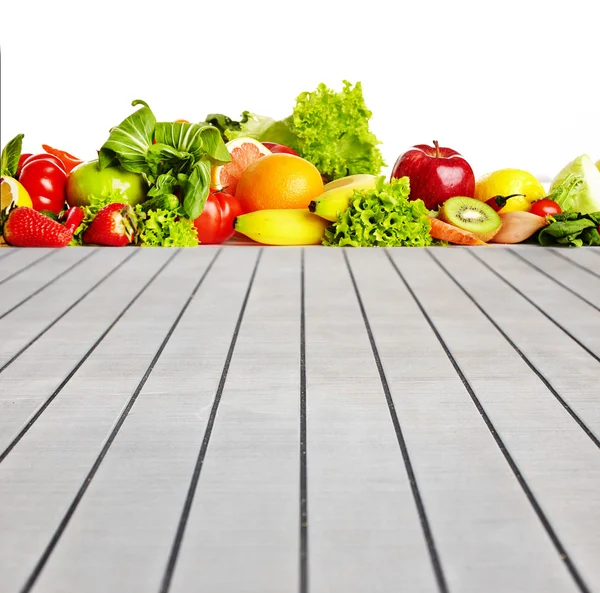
<point>328,128</point>
<point>155,228</point>
<point>382,217</point>
<point>175,158</point>
<point>572,228</point>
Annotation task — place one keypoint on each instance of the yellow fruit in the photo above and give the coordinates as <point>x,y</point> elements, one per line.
<point>279,181</point>
<point>13,194</point>
<point>336,200</point>
<point>350,179</point>
<point>287,226</point>
<point>506,182</point>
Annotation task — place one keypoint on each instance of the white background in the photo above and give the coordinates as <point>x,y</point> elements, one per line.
<point>506,83</point>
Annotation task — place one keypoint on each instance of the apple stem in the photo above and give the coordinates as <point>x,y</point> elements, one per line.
<point>437,149</point>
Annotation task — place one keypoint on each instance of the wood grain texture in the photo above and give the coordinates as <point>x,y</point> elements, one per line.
<point>151,420</point>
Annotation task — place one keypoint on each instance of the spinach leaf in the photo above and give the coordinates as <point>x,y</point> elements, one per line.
<point>571,228</point>
<point>9,162</point>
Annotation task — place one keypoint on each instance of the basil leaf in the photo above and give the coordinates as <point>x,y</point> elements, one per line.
<point>130,140</point>
<point>195,188</point>
<point>9,162</point>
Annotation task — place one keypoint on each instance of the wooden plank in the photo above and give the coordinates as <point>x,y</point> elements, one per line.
<point>243,531</point>
<point>22,260</point>
<point>35,279</point>
<point>26,323</point>
<point>122,533</point>
<point>576,317</point>
<point>42,475</point>
<point>559,463</point>
<point>564,272</point>
<point>40,373</point>
<point>587,258</point>
<point>364,531</point>
<point>488,536</point>
<point>551,353</point>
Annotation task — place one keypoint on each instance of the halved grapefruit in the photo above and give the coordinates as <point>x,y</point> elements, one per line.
<point>243,151</point>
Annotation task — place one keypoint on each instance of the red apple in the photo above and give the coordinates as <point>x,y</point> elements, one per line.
<point>280,148</point>
<point>435,173</point>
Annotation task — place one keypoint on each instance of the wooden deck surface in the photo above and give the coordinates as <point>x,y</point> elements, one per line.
<point>288,420</point>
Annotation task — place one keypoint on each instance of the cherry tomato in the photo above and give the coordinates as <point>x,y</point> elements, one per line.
<point>45,183</point>
<point>43,156</point>
<point>215,224</point>
<point>22,159</point>
<point>545,207</point>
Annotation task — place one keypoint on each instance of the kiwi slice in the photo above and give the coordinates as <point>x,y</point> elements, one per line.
<point>471,215</point>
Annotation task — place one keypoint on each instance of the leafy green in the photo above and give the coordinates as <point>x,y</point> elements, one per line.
<point>571,228</point>
<point>11,153</point>
<point>328,128</point>
<point>89,212</point>
<point>382,217</point>
<point>164,228</point>
<point>174,157</point>
<point>577,187</point>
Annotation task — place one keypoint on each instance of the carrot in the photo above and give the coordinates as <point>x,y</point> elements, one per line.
<point>448,232</point>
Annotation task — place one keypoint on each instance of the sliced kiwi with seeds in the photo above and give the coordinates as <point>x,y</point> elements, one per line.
<point>471,215</point>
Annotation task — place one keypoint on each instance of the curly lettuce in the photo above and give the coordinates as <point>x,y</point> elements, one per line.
<point>382,217</point>
<point>328,128</point>
<point>164,228</point>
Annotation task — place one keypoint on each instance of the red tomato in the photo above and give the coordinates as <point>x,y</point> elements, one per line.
<point>215,224</point>
<point>45,183</point>
<point>22,159</point>
<point>45,157</point>
<point>545,207</point>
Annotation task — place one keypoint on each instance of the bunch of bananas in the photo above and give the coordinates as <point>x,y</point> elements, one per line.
<point>304,226</point>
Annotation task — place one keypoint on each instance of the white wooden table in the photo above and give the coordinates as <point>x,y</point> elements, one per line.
<point>287,420</point>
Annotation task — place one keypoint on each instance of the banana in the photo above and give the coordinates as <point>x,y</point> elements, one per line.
<point>330,203</point>
<point>348,180</point>
<point>282,227</point>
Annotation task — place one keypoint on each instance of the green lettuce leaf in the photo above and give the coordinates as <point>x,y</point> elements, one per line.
<point>382,217</point>
<point>164,228</point>
<point>577,187</point>
<point>333,132</point>
<point>195,188</point>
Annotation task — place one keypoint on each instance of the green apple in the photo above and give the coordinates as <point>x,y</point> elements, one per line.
<point>88,179</point>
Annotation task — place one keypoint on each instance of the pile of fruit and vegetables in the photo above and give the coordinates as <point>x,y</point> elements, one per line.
<point>312,178</point>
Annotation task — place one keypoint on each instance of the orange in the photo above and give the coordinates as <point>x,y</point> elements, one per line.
<point>243,151</point>
<point>279,181</point>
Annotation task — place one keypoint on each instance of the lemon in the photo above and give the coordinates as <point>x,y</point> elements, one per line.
<point>12,194</point>
<point>506,182</point>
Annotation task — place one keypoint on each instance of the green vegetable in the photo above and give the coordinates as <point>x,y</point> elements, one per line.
<point>577,187</point>
<point>328,128</point>
<point>162,202</point>
<point>382,217</point>
<point>180,159</point>
<point>571,228</point>
<point>9,161</point>
<point>96,203</point>
<point>164,228</point>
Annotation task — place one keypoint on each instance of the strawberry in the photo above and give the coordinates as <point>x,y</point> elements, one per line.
<point>114,225</point>
<point>26,227</point>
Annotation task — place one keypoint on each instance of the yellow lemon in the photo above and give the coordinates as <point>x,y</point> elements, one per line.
<point>506,182</point>
<point>12,194</point>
